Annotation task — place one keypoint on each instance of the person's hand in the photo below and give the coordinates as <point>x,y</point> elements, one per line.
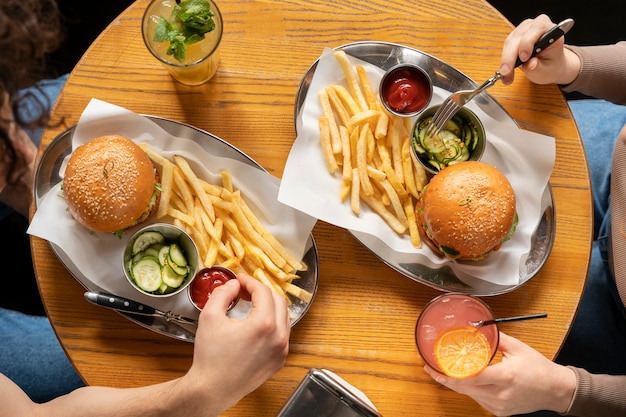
<point>233,357</point>
<point>553,65</point>
<point>523,382</point>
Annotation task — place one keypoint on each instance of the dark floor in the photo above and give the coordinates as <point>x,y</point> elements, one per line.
<point>598,24</point>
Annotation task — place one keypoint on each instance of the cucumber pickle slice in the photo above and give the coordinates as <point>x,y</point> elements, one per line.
<point>147,273</point>
<point>147,239</point>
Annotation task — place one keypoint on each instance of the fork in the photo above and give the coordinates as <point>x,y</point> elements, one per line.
<point>454,102</point>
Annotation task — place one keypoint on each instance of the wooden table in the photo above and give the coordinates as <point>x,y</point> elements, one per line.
<point>362,321</point>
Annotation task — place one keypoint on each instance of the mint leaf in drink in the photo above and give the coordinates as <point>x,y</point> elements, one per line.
<point>177,48</point>
<point>196,17</point>
<point>164,31</point>
<point>191,20</point>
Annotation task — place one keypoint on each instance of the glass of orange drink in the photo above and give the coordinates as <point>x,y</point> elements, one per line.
<point>448,339</point>
<point>199,62</point>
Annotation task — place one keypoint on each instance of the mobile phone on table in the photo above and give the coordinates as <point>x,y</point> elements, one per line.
<point>322,394</point>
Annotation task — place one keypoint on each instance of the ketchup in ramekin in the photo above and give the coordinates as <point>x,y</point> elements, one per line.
<point>405,90</point>
<point>206,281</point>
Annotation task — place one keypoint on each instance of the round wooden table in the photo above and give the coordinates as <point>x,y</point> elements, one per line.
<point>362,321</point>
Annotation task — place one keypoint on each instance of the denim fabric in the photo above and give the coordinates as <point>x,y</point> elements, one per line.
<point>47,93</point>
<point>597,340</point>
<point>31,356</point>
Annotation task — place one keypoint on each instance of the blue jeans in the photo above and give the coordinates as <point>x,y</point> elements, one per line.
<point>31,356</point>
<point>597,340</point>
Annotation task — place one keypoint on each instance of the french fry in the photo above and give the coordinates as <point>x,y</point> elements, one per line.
<point>421,179</point>
<point>195,185</point>
<point>407,168</point>
<point>167,181</point>
<point>351,79</point>
<point>346,186</point>
<point>366,87</point>
<point>210,256</point>
<point>382,125</point>
<point>354,194</point>
<point>395,182</point>
<point>361,162</point>
<point>296,291</point>
<point>265,279</point>
<point>409,210</point>
<point>167,175</point>
<point>354,138</point>
<point>227,181</point>
<point>396,137</point>
<point>398,208</point>
<point>340,110</point>
<point>365,117</point>
<point>327,147</point>
<point>183,217</point>
<point>182,189</point>
<point>333,129</point>
<point>347,100</point>
<point>382,211</point>
<point>347,154</point>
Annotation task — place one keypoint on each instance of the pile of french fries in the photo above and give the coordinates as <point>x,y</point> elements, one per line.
<point>371,150</point>
<point>224,228</point>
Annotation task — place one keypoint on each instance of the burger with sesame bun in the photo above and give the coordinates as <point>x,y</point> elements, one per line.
<point>466,211</point>
<point>110,184</point>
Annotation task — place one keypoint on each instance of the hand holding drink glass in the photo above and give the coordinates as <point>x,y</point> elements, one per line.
<point>457,334</point>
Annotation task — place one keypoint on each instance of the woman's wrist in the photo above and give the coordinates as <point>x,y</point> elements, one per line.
<point>565,388</point>
<point>571,69</point>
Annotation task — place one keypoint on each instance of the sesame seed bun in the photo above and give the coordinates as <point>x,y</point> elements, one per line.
<point>466,211</point>
<point>110,184</point>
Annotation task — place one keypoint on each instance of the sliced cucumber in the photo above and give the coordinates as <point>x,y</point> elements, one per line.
<point>454,126</point>
<point>147,274</point>
<point>177,256</point>
<point>147,239</point>
<point>136,258</point>
<point>152,251</point>
<point>180,270</point>
<point>171,278</point>
<point>434,144</point>
<point>163,255</point>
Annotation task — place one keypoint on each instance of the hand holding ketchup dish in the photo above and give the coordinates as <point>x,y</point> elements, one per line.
<point>206,281</point>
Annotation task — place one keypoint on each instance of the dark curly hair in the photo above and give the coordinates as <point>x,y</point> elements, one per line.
<point>29,31</point>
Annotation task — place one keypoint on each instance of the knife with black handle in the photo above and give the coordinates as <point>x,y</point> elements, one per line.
<point>116,302</point>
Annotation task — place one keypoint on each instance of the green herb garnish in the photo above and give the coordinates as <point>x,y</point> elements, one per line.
<point>191,20</point>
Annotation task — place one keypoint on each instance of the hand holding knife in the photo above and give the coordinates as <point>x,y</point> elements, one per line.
<point>549,38</point>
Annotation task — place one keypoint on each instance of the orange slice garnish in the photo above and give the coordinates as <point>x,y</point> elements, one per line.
<point>462,352</point>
